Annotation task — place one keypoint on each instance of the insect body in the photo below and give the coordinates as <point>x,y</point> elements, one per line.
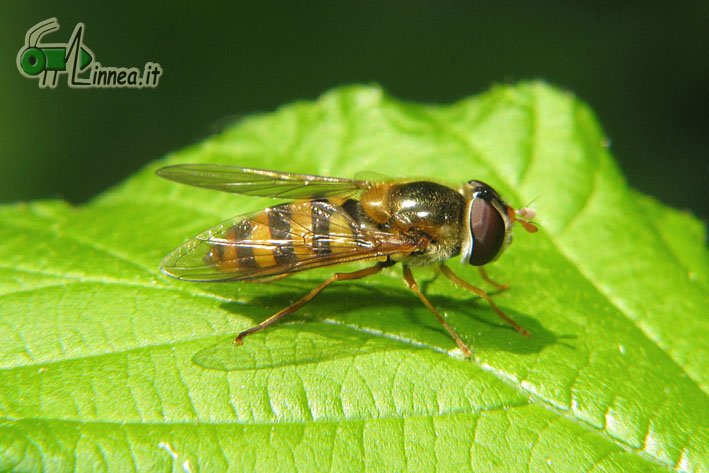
<point>331,221</point>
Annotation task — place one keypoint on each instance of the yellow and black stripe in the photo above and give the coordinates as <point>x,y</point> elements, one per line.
<point>285,234</point>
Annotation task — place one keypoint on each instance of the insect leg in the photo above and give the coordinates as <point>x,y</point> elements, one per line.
<point>487,278</point>
<point>476,290</point>
<point>409,278</point>
<point>308,297</point>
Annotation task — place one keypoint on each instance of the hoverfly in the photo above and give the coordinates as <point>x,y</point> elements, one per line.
<point>330,221</point>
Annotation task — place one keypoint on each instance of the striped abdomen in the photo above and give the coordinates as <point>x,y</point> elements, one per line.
<point>285,234</point>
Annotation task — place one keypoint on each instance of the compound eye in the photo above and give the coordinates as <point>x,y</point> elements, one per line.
<point>488,231</point>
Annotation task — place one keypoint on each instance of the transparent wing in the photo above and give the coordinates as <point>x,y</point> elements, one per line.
<point>260,182</point>
<point>280,240</point>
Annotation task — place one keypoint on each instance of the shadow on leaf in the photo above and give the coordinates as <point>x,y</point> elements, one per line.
<point>289,345</point>
<point>366,314</point>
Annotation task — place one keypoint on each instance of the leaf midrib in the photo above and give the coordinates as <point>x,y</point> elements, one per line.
<point>533,398</point>
<point>562,251</point>
<point>471,150</point>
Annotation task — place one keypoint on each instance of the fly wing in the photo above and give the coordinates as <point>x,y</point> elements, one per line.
<point>260,182</point>
<point>281,240</point>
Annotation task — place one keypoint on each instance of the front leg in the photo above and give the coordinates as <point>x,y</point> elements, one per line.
<point>487,278</point>
<point>476,290</point>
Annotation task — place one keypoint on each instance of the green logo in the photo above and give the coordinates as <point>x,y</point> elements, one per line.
<point>46,62</point>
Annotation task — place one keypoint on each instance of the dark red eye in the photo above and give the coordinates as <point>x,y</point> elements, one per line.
<point>488,231</point>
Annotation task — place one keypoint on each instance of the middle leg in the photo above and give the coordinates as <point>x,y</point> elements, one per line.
<point>413,285</point>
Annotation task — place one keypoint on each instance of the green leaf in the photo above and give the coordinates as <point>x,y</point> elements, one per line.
<point>106,365</point>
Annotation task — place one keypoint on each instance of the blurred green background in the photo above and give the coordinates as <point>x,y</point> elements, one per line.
<point>644,68</point>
